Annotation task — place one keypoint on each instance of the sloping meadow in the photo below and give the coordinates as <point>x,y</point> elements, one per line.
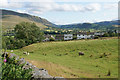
<point>100,59</point>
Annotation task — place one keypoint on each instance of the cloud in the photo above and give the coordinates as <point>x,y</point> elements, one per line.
<point>32,0</point>
<point>87,1</point>
<point>41,7</point>
<point>34,7</point>
<point>22,11</point>
<point>110,6</point>
<point>10,4</point>
<point>3,3</point>
<point>93,7</point>
<point>38,8</point>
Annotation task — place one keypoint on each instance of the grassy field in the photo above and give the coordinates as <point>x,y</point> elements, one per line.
<point>62,59</point>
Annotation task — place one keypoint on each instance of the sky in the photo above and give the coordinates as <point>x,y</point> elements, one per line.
<point>63,12</point>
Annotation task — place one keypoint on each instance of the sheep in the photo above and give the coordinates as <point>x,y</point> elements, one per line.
<point>11,50</point>
<point>27,53</point>
<point>80,53</point>
<point>90,55</point>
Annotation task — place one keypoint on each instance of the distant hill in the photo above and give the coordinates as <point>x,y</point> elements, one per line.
<point>99,25</point>
<point>11,18</point>
<point>115,22</point>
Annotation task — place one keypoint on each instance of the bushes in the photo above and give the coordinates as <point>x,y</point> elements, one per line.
<point>25,34</point>
<point>11,70</point>
<point>12,43</point>
<point>110,34</point>
<point>52,39</point>
<point>74,37</point>
<point>96,37</point>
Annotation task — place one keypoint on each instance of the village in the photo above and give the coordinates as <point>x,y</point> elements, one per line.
<point>80,35</point>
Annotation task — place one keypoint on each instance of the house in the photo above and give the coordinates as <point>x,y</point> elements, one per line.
<point>80,35</point>
<point>64,36</point>
<point>99,33</point>
<point>47,37</point>
<point>85,35</point>
<point>118,31</point>
<point>68,36</point>
<point>59,37</point>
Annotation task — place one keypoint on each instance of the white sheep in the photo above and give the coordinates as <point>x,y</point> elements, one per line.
<point>11,50</point>
<point>28,53</point>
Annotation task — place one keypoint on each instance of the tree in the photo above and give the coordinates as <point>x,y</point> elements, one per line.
<point>19,43</point>
<point>28,32</point>
<point>96,37</point>
<point>106,35</point>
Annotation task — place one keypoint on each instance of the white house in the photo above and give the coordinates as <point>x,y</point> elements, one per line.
<point>68,36</point>
<point>85,35</point>
<point>118,31</point>
<point>99,33</point>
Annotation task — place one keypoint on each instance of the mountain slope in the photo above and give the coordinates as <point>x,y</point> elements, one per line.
<point>11,18</point>
<point>99,25</point>
<point>115,22</point>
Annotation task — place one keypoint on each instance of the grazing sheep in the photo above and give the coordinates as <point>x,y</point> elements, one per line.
<point>44,54</point>
<point>81,53</point>
<point>90,55</point>
<point>27,53</point>
<point>11,50</point>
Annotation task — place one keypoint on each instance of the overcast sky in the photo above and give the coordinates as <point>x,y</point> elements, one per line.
<point>66,11</point>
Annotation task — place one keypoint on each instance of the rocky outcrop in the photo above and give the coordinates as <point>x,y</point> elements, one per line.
<point>37,72</point>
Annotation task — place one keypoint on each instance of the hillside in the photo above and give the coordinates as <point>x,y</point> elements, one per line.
<point>11,18</point>
<point>97,26</point>
<point>115,22</point>
<point>62,59</point>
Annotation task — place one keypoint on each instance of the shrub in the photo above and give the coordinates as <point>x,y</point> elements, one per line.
<point>96,37</point>
<point>12,70</point>
<point>52,39</point>
<point>74,38</point>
